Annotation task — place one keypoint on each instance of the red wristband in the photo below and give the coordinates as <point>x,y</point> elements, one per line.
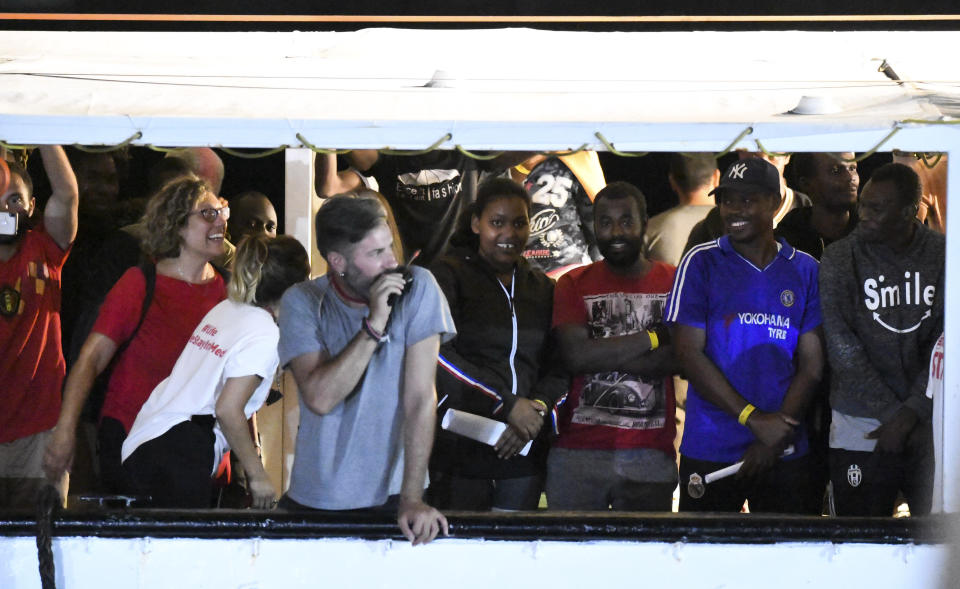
<point>373,333</point>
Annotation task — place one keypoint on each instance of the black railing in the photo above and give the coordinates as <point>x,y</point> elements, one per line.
<point>566,527</point>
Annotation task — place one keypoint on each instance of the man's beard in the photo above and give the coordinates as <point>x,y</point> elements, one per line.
<point>357,282</point>
<point>623,258</point>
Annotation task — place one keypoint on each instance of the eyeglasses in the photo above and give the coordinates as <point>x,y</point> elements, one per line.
<point>210,214</point>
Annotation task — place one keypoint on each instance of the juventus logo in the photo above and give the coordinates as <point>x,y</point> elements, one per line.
<point>854,475</point>
<point>737,170</point>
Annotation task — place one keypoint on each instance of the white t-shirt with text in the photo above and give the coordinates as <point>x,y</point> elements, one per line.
<point>232,340</point>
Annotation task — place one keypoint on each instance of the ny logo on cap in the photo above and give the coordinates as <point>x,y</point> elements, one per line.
<point>737,170</point>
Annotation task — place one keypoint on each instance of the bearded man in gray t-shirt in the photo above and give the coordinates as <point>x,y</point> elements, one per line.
<point>366,372</point>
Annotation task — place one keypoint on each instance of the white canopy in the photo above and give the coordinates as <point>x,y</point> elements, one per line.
<point>511,88</point>
<point>495,89</point>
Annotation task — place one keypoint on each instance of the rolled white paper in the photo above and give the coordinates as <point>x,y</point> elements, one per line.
<point>735,468</point>
<point>476,427</point>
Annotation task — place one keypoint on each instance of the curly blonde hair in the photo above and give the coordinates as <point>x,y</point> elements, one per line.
<point>167,213</point>
<point>266,267</point>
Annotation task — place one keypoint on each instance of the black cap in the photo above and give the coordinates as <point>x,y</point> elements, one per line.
<point>750,173</point>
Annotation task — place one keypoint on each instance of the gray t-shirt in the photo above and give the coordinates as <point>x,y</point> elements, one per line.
<point>667,232</point>
<point>352,457</point>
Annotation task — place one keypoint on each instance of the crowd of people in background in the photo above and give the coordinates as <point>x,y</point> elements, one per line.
<point>780,318</point>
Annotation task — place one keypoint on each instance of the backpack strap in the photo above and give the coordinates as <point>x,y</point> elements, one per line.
<point>149,270</point>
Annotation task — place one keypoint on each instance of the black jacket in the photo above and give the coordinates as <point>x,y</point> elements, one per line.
<point>475,372</point>
<point>798,230</point>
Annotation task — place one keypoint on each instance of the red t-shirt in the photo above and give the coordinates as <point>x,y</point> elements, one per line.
<point>31,361</point>
<point>175,311</point>
<point>615,410</point>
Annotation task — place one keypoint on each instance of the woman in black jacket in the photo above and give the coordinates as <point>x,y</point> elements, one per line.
<point>499,364</point>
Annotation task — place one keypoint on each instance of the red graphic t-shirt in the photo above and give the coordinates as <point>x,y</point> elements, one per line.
<point>31,364</point>
<point>615,410</point>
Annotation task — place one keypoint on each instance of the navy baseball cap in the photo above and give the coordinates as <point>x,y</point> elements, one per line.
<point>752,174</point>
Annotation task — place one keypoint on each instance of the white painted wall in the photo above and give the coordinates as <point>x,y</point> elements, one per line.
<point>148,563</point>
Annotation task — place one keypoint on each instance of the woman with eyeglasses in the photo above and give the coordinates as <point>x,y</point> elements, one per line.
<point>221,378</point>
<point>184,224</point>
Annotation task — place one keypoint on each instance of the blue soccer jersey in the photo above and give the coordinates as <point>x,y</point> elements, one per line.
<point>753,318</point>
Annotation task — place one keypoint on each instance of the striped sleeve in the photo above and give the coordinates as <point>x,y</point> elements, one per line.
<point>688,298</point>
<point>452,370</point>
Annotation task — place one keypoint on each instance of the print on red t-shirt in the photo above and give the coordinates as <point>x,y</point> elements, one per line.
<point>31,364</point>
<point>615,410</point>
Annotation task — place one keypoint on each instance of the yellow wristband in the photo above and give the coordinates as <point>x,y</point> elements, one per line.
<point>745,414</point>
<point>522,169</point>
<point>654,340</point>
<point>542,404</point>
